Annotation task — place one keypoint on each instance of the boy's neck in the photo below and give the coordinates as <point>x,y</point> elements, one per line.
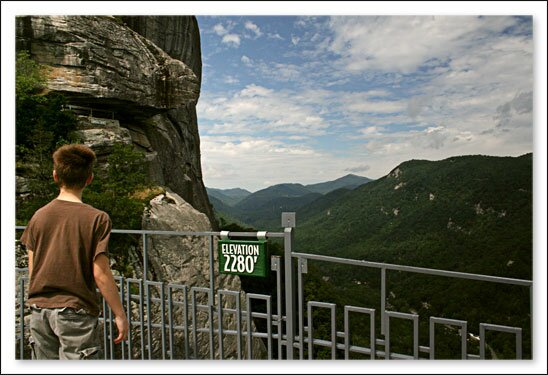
<point>71,195</point>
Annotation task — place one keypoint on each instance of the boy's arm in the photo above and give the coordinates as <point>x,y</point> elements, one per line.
<point>31,257</point>
<point>106,284</point>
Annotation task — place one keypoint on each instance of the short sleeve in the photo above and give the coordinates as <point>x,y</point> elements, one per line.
<point>27,238</point>
<point>103,235</point>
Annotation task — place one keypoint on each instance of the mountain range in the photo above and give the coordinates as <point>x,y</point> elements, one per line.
<point>263,208</point>
<point>470,214</point>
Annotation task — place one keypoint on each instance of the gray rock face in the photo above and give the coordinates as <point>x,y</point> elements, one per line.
<point>186,260</point>
<point>105,62</point>
<point>144,72</point>
<point>177,36</point>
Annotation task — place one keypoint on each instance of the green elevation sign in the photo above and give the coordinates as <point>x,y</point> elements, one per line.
<point>247,258</point>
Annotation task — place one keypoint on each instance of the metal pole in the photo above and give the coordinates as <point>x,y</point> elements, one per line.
<point>170,319</point>
<point>289,223</point>
<point>22,316</point>
<point>211,273</point>
<point>145,257</point>
<point>531,314</point>
<point>383,300</point>
<point>129,316</point>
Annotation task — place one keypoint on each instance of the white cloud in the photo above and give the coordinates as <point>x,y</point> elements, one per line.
<point>254,28</point>
<point>230,80</point>
<point>274,36</point>
<point>231,39</point>
<point>219,29</point>
<point>262,109</point>
<point>404,43</point>
<point>247,61</point>
<point>508,113</point>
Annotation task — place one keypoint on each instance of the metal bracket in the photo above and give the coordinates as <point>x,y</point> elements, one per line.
<point>288,220</point>
<point>275,263</point>
<point>261,236</point>
<point>303,265</point>
<point>224,235</point>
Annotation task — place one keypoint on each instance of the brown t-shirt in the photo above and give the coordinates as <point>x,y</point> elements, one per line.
<point>65,238</point>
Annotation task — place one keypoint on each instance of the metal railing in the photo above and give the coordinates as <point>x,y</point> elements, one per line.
<point>164,322</point>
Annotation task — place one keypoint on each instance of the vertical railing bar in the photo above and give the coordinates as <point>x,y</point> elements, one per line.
<point>211,329</point>
<point>310,331</point>
<point>300,305</point>
<point>289,294</point>
<point>383,300</point>
<point>149,320</point>
<point>22,317</point>
<point>163,319</point>
<point>105,332</point>
<point>239,326</point>
<point>372,334</point>
<point>211,295</point>
<point>346,334</point>
<point>185,313</point>
<point>220,319</point>
<point>269,325</point>
<point>249,334</point>
<point>194,325</point>
<point>170,319</point>
<point>300,285</point>
<point>432,332</point>
<point>129,316</point>
<point>482,341</point>
<point>416,337</point>
<point>142,316</point>
<point>279,306</point>
<point>123,300</point>
<point>386,336</point>
<point>531,313</point>
<point>464,335</point>
<point>333,334</point>
<point>518,344</point>
<point>111,332</point>
<point>145,257</point>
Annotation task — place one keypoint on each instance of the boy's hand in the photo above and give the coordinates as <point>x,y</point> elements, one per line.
<point>123,328</point>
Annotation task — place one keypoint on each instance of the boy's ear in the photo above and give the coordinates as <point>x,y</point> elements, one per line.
<point>90,178</point>
<point>55,176</point>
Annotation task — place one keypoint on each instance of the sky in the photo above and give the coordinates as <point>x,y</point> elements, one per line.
<point>316,98</point>
<point>307,99</point>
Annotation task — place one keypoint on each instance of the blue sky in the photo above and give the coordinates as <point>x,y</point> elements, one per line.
<point>308,99</point>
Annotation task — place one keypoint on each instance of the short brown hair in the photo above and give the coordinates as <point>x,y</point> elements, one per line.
<point>73,164</point>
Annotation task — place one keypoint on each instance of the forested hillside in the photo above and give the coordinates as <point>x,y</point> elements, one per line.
<point>467,214</point>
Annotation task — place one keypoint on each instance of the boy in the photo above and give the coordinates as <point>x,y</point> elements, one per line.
<point>67,243</point>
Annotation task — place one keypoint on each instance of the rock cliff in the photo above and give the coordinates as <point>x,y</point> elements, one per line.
<point>143,72</point>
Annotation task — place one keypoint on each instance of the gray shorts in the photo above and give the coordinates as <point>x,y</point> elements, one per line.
<point>64,333</point>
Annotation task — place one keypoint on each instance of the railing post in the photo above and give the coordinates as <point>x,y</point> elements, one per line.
<point>383,300</point>
<point>145,257</point>
<point>288,222</point>
<point>211,297</point>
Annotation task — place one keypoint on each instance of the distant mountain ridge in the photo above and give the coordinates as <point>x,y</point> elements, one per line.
<point>349,181</point>
<point>227,196</point>
<point>264,207</point>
